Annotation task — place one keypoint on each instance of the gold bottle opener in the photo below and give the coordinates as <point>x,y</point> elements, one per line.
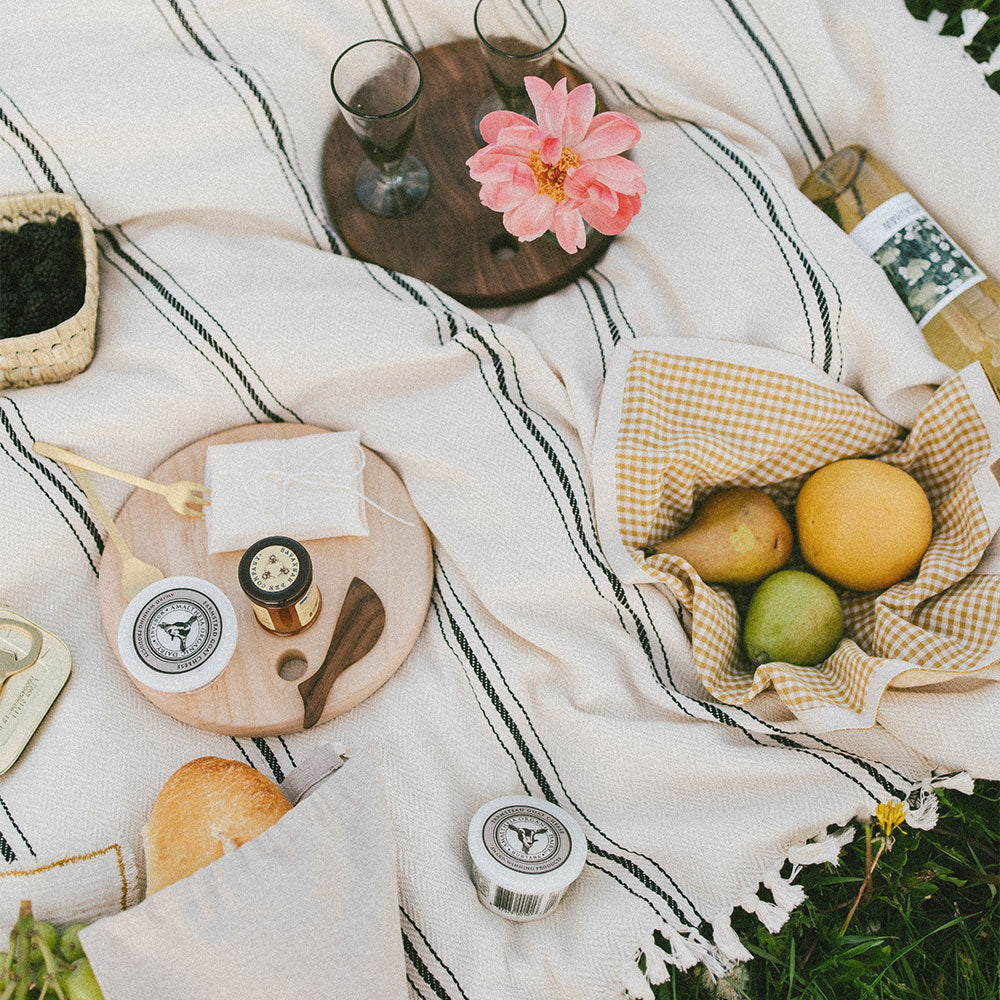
<point>30,681</point>
<point>10,662</point>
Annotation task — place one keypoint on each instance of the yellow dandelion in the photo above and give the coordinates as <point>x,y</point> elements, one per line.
<point>890,815</point>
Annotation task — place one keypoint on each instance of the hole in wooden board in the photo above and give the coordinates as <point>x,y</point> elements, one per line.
<point>504,246</point>
<point>292,665</point>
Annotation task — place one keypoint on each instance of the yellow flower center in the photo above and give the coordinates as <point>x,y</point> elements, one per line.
<point>551,176</point>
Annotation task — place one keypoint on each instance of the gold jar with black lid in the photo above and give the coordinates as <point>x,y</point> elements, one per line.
<point>276,574</point>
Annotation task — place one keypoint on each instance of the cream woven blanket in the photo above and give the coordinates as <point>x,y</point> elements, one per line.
<point>193,132</point>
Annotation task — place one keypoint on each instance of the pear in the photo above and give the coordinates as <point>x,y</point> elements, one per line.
<point>738,536</point>
<point>793,617</point>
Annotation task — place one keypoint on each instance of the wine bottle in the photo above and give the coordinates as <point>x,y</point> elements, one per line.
<point>954,303</point>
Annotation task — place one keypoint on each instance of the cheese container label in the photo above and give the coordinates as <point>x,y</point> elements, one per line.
<point>525,853</point>
<point>177,634</point>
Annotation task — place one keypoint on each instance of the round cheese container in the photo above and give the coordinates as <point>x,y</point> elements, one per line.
<point>526,852</point>
<point>177,634</point>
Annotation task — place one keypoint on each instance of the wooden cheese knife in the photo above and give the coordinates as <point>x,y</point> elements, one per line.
<point>359,626</point>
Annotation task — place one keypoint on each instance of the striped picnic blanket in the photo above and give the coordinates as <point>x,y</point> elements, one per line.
<point>193,133</point>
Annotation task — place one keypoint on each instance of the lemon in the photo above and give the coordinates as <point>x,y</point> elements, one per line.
<point>863,523</point>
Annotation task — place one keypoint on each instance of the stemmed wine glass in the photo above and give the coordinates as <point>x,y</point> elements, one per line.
<point>377,84</point>
<point>518,39</point>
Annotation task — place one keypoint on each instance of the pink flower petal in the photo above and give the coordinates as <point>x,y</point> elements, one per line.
<point>579,112</point>
<point>494,162</point>
<point>503,196</point>
<point>486,165</point>
<point>618,174</point>
<point>611,223</point>
<point>550,149</point>
<point>554,110</point>
<point>496,121</point>
<point>538,90</point>
<point>525,137</point>
<point>609,133</point>
<point>582,185</point>
<point>569,229</point>
<point>531,218</point>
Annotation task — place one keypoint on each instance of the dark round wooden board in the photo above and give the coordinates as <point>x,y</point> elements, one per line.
<point>451,240</point>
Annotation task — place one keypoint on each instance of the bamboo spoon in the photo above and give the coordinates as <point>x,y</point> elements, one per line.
<point>185,496</point>
<point>136,574</point>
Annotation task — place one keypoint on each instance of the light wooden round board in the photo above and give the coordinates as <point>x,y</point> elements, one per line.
<point>250,697</point>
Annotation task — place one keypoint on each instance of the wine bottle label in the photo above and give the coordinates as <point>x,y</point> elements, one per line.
<point>924,264</point>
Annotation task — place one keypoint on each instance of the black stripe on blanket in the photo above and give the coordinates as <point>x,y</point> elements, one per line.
<point>614,295</point>
<point>645,628</point>
<point>418,965</point>
<point>51,484</point>
<point>597,329</point>
<point>512,719</point>
<point>425,960</point>
<point>193,323</point>
<point>245,80</point>
<point>784,79</point>
<point>643,632</point>
<point>582,536</point>
<point>293,172</point>
<point>266,754</point>
<point>18,830</point>
<point>762,204</point>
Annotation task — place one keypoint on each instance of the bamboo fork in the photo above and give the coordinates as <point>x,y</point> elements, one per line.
<point>186,497</point>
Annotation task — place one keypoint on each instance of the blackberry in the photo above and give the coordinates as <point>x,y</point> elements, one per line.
<point>43,276</point>
<point>38,240</point>
<point>10,316</point>
<point>34,313</point>
<point>48,272</point>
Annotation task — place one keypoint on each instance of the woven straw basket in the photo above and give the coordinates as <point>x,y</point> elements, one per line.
<point>61,352</point>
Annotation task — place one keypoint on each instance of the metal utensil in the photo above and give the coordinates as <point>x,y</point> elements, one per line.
<point>136,574</point>
<point>185,496</point>
<point>359,626</point>
<point>10,662</point>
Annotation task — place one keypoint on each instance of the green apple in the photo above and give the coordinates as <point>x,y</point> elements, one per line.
<point>793,617</point>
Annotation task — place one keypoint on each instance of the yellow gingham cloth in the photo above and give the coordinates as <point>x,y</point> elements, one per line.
<point>687,426</point>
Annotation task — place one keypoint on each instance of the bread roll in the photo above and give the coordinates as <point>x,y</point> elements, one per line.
<point>206,807</point>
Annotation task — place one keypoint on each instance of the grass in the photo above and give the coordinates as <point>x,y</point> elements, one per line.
<point>927,929</point>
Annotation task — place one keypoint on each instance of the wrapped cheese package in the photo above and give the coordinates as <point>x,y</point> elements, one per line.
<point>303,487</point>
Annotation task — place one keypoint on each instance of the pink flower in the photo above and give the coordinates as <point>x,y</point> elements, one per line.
<point>562,171</point>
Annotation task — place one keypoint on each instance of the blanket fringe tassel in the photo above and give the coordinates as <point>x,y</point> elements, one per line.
<point>923,807</point>
<point>651,965</point>
<point>653,962</point>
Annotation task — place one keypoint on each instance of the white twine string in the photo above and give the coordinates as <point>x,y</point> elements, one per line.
<point>335,481</point>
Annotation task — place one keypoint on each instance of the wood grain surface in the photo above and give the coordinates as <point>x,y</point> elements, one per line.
<point>451,240</point>
<point>250,697</point>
